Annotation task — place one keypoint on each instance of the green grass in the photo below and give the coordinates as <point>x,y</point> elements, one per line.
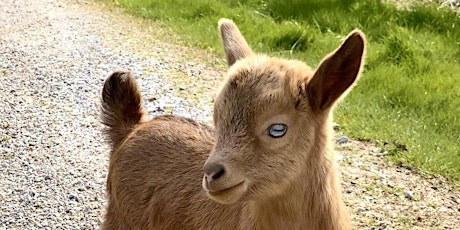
<point>409,94</point>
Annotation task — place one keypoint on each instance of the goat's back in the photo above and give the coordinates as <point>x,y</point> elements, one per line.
<point>155,176</point>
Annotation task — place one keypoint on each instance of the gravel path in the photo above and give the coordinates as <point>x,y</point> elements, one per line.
<point>54,58</point>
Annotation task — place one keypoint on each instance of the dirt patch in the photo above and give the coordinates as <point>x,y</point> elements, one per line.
<point>382,195</point>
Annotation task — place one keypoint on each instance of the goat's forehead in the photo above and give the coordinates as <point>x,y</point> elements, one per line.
<point>259,84</point>
<point>262,76</point>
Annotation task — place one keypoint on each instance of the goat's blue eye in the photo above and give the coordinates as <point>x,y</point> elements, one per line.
<point>277,130</point>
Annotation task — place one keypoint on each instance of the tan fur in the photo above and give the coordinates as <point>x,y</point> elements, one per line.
<point>175,173</point>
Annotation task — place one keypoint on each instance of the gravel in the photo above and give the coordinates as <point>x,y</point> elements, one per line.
<point>54,58</point>
<point>341,140</point>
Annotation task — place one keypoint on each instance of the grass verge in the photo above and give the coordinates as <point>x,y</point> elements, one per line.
<point>408,99</point>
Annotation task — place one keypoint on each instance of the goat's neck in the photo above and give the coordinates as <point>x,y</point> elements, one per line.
<point>313,201</point>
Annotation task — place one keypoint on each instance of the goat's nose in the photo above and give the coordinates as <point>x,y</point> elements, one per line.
<point>213,171</point>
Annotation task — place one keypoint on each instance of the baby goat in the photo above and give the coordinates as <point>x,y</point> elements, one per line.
<point>267,164</point>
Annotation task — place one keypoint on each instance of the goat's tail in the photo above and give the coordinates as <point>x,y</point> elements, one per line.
<point>121,106</point>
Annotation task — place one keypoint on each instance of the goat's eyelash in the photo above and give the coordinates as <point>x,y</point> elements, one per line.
<point>277,130</point>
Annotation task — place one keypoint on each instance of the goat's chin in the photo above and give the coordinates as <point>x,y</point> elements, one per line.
<point>230,195</point>
<point>266,191</point>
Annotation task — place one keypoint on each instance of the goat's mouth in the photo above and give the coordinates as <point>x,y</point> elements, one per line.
<point>229,189</point>
<point>228,195</point>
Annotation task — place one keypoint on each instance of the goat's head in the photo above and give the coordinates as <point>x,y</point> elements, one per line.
<point>267,116</point>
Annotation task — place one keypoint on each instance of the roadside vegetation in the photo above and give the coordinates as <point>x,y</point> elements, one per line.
<point>408,99</point>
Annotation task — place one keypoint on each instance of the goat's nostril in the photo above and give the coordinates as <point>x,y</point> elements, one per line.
<point>218,174</point>
<point>214,172</point>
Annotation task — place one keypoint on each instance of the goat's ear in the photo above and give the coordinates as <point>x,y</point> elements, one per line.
<point>337,72</point>
<point>235,45</point>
